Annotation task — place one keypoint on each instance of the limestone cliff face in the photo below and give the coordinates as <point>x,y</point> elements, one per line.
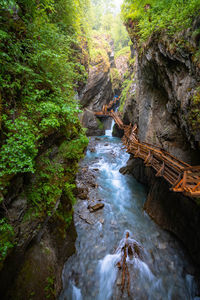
<point>166,77</point>
<point>160,100</point>
<point>98,90</point>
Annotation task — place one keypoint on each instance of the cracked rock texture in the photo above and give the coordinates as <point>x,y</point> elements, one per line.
<point>98,90</point>
<point>159,101</point>
<point>166,78</point>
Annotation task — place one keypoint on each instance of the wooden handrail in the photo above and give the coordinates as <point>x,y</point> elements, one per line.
<point>180,175</point>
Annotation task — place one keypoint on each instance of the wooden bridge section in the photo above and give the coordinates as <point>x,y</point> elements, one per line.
<point>181,176</point>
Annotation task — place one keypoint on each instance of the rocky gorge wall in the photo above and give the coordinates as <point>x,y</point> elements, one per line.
<point>106,75</point>
<point>163,86</point>
<point>98,90</point>
<point>44,240</point>
<point>167,79</point>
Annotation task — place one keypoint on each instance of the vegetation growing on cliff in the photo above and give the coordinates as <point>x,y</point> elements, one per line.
<point>99,50</point>
<point>43,54</point>
<point>194,114</point>
<point>146,17</point>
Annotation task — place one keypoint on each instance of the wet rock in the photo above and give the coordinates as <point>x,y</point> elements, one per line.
<point>113,223</point>
<point>82,191</point>
<point>93,208</point>
<point>171,265</point>
<point>101,221</point>
<point>119,281</point>
<point>83,196</point>
<point>90,272</point>
<point>117,132</point>
<point>92,149</point>
<point>18,209</point>
<point>96,169</point>
<point>93,185</point>
<point>162,246</point>
<point>124,170</point>
<point>92,124</point>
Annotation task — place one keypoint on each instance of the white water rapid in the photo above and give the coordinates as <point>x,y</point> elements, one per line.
<point>163,272</point>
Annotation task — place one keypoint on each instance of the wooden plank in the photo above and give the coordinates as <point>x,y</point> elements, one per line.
<point>165,164</point>
<point>161,171</point>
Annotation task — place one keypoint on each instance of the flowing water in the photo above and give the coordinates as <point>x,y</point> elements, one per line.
<point>163,271</point>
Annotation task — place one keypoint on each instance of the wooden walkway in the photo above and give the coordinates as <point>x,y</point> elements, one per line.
<point>181,176</point>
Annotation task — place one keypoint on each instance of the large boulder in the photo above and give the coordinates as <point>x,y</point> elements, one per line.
<point>94,125</point>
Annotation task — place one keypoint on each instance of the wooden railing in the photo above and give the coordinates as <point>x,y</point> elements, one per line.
<point>181,176</point>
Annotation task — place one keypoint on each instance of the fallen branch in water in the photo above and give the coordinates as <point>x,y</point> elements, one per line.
<point>131,249</point>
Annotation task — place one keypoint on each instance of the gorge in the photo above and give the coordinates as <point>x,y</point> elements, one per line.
<point>80,218</point>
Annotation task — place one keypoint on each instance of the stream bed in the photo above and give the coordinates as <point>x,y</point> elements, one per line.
<point>164,271</point>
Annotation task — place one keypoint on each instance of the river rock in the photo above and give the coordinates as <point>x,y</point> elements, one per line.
<point>82,192</point>
<point>93,208</point>
<point>83,196</point>
<point>119,281</point>
<point>162,246</point>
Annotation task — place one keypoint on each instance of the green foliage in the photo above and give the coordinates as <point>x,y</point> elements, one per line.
<point>55,176</point>
<point>99,49</point>
<point>19,150</point>
<point>6,238</point>
<point>105,19</point>
<point>42,66</point>
<point>50,287</point>
<point>115,78</point>
<point>123,51</point>
<point>119,34</point>
<point>100,124</point>
<point>40,59</point>
<point>69,192</point>
<point>150,16</point>
<point>74,149</point>
<point>125,90</point>
<point>194,114</point>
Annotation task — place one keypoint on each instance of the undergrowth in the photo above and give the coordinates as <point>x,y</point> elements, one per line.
<point>43,63</point>
<point>150,16</point>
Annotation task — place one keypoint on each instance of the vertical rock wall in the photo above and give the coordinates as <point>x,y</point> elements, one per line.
<point>166,81</point>
<point>160,101</point>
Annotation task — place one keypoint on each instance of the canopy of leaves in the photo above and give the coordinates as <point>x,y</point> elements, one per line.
<point>154,15</point>
<point>105,20</point>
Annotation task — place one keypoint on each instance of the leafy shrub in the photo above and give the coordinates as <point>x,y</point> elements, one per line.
<point>19,150</point>
<point>42,65</point>
<point>194,113</point>
<point>6,237</point>
<point>150,16</point>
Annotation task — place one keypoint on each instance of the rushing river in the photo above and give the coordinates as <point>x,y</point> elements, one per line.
<point>164,270</point>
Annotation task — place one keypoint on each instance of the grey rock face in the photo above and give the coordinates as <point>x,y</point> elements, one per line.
<point>166,81</point>
<point>97,93</point>
<point>93,125</point>
<point>98,90</point>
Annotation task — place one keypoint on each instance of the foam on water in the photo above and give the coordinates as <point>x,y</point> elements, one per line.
<point>162,273</point>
